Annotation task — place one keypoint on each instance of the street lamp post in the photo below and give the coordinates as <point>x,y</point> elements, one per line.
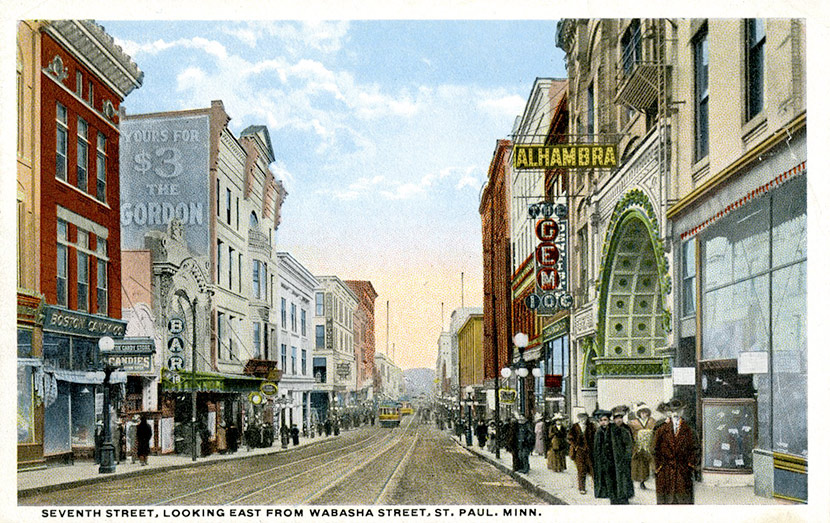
<point>469,432</point>
<point>107,466</point>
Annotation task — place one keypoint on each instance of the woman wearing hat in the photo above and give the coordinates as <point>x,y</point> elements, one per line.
<point>643,428</point>
<point>540,430</point>
<point>676,456</point>
<point>558,437</point>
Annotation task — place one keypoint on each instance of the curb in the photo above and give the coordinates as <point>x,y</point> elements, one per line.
<point>523,481</point>
<point>33,491</point>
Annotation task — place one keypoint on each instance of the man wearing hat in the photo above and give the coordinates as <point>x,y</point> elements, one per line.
<point>558,437</point>
<point>676,456</point>
<point>581,443</point>
<point>643,428</point>
<point>612,458</point>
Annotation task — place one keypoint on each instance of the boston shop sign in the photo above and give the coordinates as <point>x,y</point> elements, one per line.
<point>73,322</point>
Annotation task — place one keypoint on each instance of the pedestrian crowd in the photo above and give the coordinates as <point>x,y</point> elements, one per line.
<point>616,449</point>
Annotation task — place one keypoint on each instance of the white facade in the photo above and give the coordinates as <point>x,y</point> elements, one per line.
<point>293,344</point>
<point>390,376</point>
<point>334,308</point>
<point>527,186</point>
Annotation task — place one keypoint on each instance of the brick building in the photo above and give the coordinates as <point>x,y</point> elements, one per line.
<point>81,77</point>
<point>364,336</point>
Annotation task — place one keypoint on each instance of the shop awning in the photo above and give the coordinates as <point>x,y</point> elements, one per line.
<point>86,377</point>
<point>182,381</point>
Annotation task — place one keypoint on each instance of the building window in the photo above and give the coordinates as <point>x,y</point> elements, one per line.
<point>254,223</point>
<point>237,212</point>
<point>239,273</point>
<point>83,279</point>
<point>219,247</point>
<point>319,336</point>
<point>231,344</point>
<point>89,94</point>
<point>79,83</point>
<point>83,155</point>
<point>293,317</point>
<point>755,37</point>
<point>63,264</point>
<point>293,360</point>
<point>101,185</point>
<point>228,205</point>
<point>256,278</point>
<point>101,298</point>
<point>701,60</point>
<point>318,304</point>
<point>263,282</point>
<point>591,111</point>
<point>61,144</point>
<point>304,362</point>
<point>688,277</point>
<point>302,322</point>
<point>220,333</point>
<point>319,369</point>
<point>230,268</point>
<point>283,357</point>
<point>631,46</point>
<point>283,312</point>
<point>257,340</point>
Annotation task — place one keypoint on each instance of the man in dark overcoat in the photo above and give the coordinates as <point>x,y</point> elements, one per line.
<point>581,443</point>
<point>526,438</point>
<point>612,460</point>
<point>676,456</point>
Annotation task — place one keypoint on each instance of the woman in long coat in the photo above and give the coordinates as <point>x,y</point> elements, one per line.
<point>643,427</point>
<point>558,448</point>
<point>540,430</point>
<point>676,457</point>
<point>612,461</point>
<point>143,433</point>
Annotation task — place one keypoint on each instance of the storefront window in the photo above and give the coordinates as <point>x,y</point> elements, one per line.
<point>24,343</point>
<point>25,413</point>
<point>56,436</point>
<point>56,351</point>
<point>84,353</point>
<point>83,415</point>
<point>789,360</point>
<point>755,299</point>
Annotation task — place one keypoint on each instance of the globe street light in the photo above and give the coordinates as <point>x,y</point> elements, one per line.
<point>107,466</point>
<point>469,432</point>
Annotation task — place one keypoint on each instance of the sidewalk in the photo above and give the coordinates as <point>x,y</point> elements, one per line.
<point>57,477</point>
<point>561,487</point>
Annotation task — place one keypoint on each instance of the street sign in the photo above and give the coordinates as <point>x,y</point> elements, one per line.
<point>268,388</point>
<point>176,345</point>
<point>507,396</point>
<point>175,325</point>
<point>175,362</point>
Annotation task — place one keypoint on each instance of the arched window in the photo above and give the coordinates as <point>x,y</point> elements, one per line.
<point>254,221</point>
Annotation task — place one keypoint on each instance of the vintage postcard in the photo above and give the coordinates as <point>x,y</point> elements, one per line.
<point>444,263</point>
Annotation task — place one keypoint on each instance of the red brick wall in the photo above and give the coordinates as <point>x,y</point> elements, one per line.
<point>55,192</point>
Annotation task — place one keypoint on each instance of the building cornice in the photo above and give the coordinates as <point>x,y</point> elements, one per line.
<point>796,124</point>
<point>96,49</point>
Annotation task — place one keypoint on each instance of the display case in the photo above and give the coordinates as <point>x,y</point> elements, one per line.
<point>729,434</point>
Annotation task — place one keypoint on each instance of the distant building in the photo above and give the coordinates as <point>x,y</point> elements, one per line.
<point>334,365</point>
<point>364,337</point>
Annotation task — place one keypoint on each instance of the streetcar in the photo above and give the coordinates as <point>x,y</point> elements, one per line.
<point>406,408</point>
<point>389,414</point>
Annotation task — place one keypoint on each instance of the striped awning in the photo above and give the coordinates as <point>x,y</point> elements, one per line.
<point>748,197</point>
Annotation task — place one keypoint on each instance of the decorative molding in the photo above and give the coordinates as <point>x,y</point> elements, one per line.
<point>634,205</point>
<point>56,69</point>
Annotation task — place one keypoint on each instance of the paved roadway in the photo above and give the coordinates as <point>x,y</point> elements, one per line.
<point>411,464</point>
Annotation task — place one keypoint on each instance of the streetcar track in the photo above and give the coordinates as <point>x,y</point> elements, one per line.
<point>382,494</point>
<point>267,470</point>
<point>395,434</point>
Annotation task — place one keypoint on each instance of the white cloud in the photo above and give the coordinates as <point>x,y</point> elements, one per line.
<point>281,173</point>
<point>297,37</point>
<point>506,104</point>
<point>211,47</point>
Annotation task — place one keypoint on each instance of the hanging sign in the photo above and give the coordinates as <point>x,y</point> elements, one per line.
<point>550,259</point>
<point>564,156</point>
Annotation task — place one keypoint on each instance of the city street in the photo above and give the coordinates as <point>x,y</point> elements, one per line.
<point>412,464</point>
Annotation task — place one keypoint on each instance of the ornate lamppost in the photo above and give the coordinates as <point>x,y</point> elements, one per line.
<point>107,466</point>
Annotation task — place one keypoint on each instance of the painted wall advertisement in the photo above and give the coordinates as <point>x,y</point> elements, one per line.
<point>164,175</point>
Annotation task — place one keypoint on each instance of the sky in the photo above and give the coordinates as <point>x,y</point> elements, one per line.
<point>383,131</point>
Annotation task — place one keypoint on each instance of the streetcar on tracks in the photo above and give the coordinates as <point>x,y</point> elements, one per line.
<point>406,408</point>
<point>389,414</point>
